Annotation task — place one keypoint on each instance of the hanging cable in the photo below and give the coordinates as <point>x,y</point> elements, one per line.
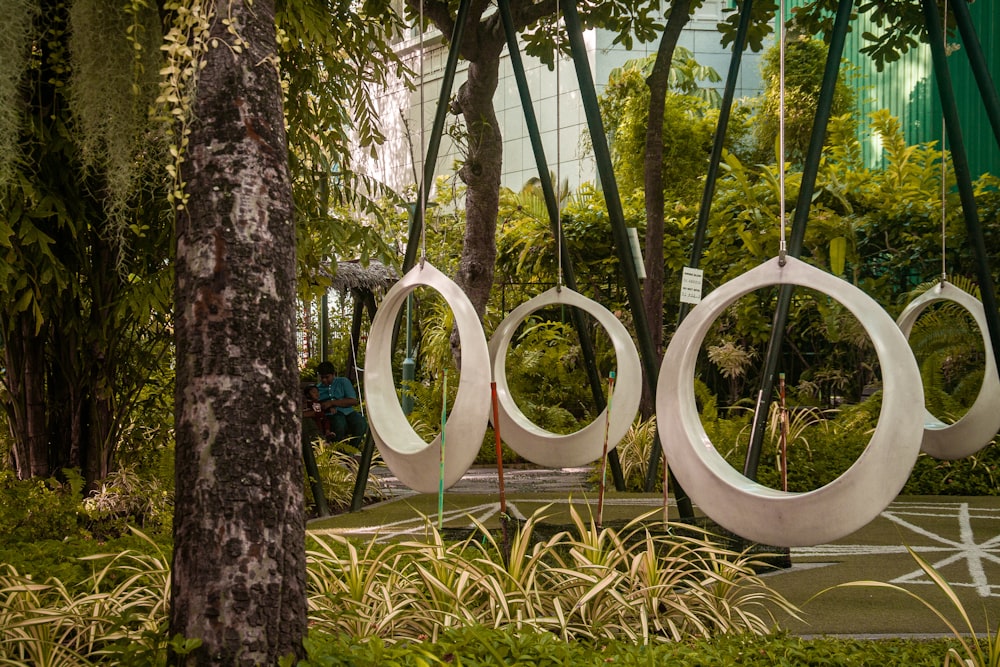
<point>421,196</point>
<point>944,168</point>
<point>558,188</point>
<point>782,246</point>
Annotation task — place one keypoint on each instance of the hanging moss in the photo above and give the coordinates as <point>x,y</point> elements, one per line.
<point>15,38</point>
<point>114,82</point>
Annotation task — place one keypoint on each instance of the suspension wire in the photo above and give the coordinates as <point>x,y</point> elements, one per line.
<point>421,196</point>
<point>358,370</point>
<point>944,168</point>
<point>782,245</point>
<point>558,188</point>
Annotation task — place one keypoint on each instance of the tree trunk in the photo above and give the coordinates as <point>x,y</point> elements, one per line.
<point>652,293</point>
<point>238,579</point>
<point>481,175</point>
<point>24,357</point>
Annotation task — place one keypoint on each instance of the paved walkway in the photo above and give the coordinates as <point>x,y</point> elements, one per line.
<point>958,536</point>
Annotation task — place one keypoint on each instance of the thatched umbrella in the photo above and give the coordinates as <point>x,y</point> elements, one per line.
<point>362,283</point>
<point>359,281</point>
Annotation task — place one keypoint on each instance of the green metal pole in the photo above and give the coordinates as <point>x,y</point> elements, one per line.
<point>364,466</point>
<point>605,170</point>
<point>309,458</point>
<point>725,112</point>
<point>810,169</point>
<point>437,129</point>
<point>963,175</point>
<point>552,206</point>
<point>324,327</point>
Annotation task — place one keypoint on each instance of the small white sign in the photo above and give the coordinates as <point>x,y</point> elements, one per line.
<point>691,285</point>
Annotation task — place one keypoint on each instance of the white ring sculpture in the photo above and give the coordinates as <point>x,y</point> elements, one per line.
<point>977,427</point>
<point>415,462</point>
<point>767,515</point>
<point>551,449</point>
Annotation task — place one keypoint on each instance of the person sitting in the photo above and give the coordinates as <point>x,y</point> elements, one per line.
<point>338,400</point>
<point>312,409</point>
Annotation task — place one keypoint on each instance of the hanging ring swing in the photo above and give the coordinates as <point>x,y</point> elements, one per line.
<point>981,422</point>
<point>551,449</point>
<point>758,512</point>
<point>414,461</point>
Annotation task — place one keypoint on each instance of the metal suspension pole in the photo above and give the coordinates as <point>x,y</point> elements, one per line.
<point>801,216</point>
<point>963,176</point>
<point>552,206</point>
<point>605,170</point>
<point>437,129</point>
<point>653,468</point>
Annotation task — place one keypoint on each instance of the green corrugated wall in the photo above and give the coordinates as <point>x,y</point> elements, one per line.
<point>908,90</point>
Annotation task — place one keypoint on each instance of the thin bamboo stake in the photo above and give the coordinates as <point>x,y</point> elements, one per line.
<point>504,519</point>
<point>666,491</point>
<point>499,448</point>
<point>444,421</point>
<point>784,432</point>
<point>604,453</point>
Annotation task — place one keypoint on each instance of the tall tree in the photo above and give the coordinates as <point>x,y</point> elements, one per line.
<point>238,577</point>
<point>86,229</point>
<point>83,228</point>
<point>483,42</point>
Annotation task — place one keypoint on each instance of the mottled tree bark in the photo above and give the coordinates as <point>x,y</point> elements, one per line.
<point>239,554</point>
<point>481,174</point>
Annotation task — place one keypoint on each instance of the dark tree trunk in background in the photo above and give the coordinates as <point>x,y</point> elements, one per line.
<point>483,42</point>
<point>239,555</point>
<point>658,80</point>
<point>481,174</point>
<point>24,359</point>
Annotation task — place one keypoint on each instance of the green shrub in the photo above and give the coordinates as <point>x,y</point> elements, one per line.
<point>480,646</point>
<point>38,509</point>
<point>338,471</point>
<point>125,499</point>
<point>62,559</point>
<point>976,475</point>
<point>822,445</point>
<point>116,615</point>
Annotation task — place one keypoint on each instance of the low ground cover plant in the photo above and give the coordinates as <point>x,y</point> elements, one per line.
<point>480,647</point>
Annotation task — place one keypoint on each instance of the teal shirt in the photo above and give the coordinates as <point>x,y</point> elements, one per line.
<point>341,387</point>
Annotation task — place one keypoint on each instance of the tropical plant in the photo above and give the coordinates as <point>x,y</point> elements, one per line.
<point>633,454</point>
<point>805,59</point>
<point>117,615</point>
<point>637,582</point>
<point>124,498</point>
<point>949,349</point>
<point>338,470</point>
<point>732,360</point>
